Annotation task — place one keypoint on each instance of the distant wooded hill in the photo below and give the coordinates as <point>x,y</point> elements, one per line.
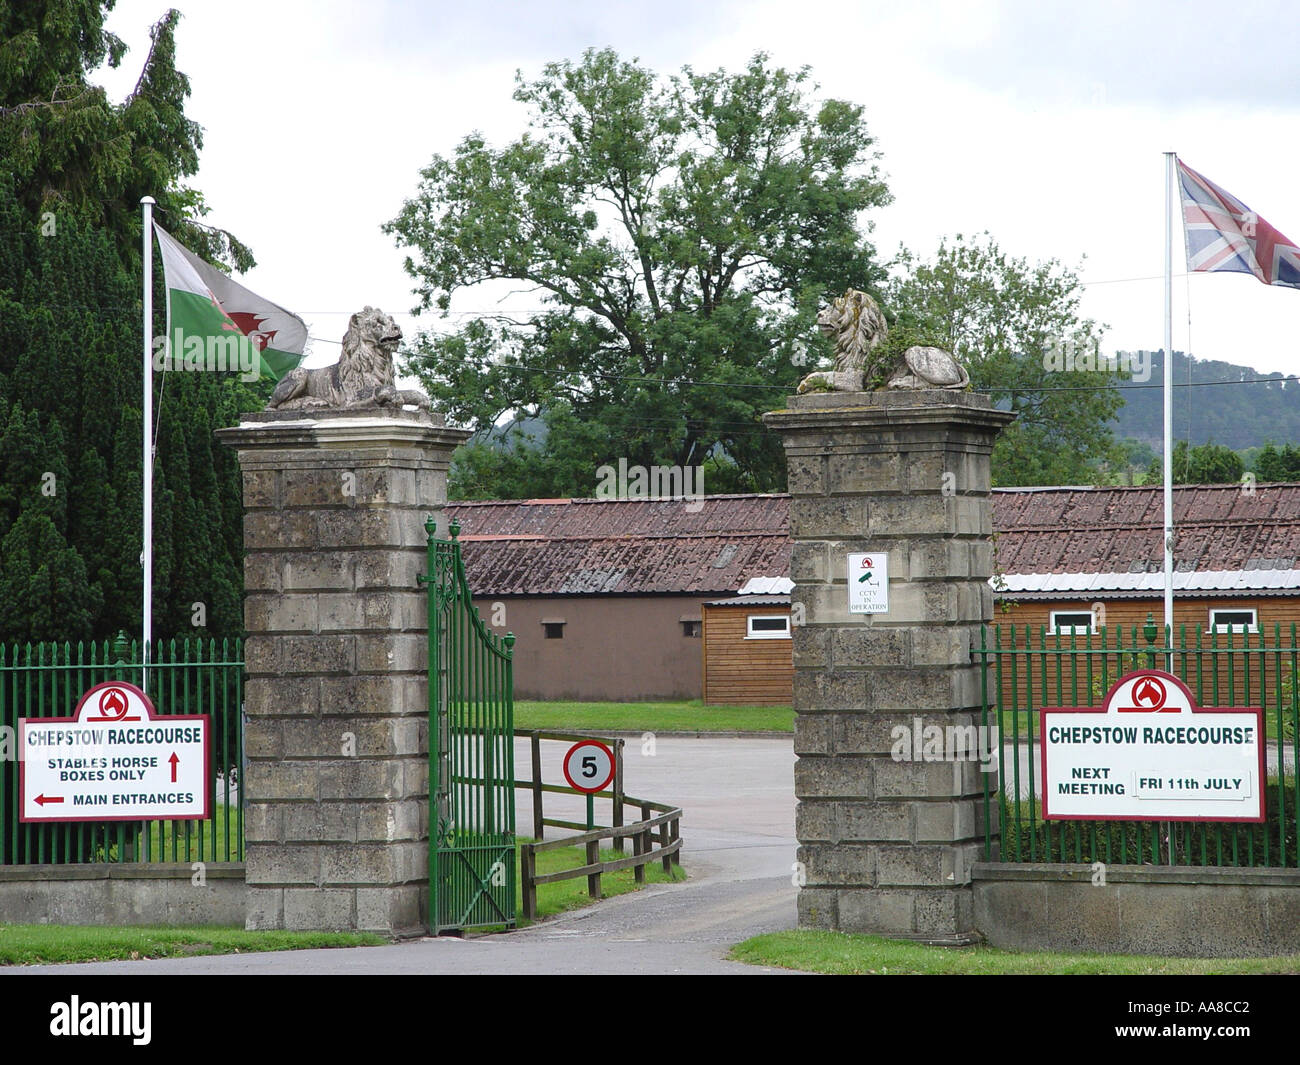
<point>1235,415</point>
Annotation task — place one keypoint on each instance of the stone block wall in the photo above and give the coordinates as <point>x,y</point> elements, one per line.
<point>887,843</point>
<point>336,698</point>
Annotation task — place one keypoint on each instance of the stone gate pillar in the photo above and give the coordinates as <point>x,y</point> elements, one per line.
<point>886,837</point>
<point>335,741</point>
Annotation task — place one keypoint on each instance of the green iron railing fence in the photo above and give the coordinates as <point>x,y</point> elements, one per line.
<point>472,866</point>
<point>1023,669</point>
<point>184,677</point>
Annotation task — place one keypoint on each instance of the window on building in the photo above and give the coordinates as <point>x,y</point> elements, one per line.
<point>553,630</point>
<point>692,627</point>
<point>1070,622</point>
<point>1233,621</point>
<point>768,627</point>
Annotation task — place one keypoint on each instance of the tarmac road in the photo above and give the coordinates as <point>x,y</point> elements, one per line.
<point>737,799</point>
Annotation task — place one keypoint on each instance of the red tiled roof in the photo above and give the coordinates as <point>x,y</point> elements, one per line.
<point>639,547</point>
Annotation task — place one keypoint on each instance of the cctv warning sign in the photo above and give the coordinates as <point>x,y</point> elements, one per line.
<point>869,583</point>
<point>115,759</point>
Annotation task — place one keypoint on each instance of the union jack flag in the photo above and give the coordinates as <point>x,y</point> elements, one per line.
<point>1223,234</point>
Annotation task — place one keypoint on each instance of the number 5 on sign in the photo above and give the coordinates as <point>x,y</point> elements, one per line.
<point>869,583</point>
<point>589,767</point>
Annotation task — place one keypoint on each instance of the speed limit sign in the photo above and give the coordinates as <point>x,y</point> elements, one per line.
<point>589,766</point>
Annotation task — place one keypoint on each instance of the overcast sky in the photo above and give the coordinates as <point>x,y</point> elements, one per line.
<point>1040,122</point>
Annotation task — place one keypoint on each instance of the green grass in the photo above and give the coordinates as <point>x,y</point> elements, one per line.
<point>685,716</point>
<point>178,841</point>
<point>842,954</point>
<point>32,944</point>
<point>46,944</point>
<point>572,894</point>
<point>166,841</point>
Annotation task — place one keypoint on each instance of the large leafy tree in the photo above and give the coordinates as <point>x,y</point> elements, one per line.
<point>73,166</point>
<point>676,235</point>
<point>74,153</point>
<point>1018,329</point>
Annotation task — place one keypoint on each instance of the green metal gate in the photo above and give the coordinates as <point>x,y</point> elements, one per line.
<point>472,871</point>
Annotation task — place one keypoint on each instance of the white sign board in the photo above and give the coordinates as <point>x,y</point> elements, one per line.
<point>114,760</point>
<point>1149,753</point>
<point>869,584</point>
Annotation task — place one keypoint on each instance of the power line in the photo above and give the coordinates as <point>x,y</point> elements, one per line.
<point>1130,387</point>
<point>1123,386</point>
<point>732,385</point>
<point>1123,280</point>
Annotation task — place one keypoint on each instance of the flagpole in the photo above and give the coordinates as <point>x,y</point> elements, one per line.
<point>1169,398</point>
<point>146,556</point>
<point>1169,435</point>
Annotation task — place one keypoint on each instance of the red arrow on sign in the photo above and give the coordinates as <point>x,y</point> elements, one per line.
<point>43,799</point>
<point>174,761</point>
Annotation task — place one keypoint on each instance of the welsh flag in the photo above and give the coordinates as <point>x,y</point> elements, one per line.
<point>214,322</point>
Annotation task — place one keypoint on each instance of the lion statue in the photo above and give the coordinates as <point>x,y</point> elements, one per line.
<point>363,376</point>
<point>855,322</point>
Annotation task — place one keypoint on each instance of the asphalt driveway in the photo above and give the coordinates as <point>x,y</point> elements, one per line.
<point>737,798</point>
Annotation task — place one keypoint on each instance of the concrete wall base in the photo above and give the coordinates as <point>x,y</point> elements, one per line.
<point>133,893</point>
<point>1173,911</point>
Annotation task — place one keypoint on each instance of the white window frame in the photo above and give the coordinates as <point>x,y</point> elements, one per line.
<point>1070,630</point>
<point>750,634</point>
<point>1221,627</point>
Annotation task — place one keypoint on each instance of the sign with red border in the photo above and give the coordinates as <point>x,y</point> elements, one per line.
<point>115,759</point>
<point>1149,753</point>
<point>589,766</point>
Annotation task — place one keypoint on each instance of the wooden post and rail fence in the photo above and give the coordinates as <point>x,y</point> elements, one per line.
<point>655,836</point>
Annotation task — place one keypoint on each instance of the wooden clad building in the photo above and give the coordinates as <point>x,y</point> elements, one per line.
<point>1075,559</point>
<point>747,641</point>
<point>605,597</point>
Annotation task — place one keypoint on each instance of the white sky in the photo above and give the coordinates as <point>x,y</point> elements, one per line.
<point>1041,122</point>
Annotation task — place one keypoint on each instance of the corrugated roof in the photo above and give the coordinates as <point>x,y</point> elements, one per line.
<point>1081,539</point>
<point>558,519</point>
<point>1201,581</point>
<point>767,586</point>
<point>707,546</point>
<point>1119,530</point>
<point>751,600</point>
